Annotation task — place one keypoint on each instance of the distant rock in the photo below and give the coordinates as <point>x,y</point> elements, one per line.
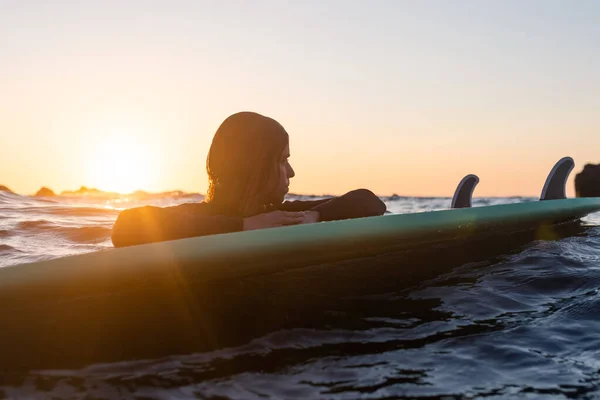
<point>174,194</point>
<point>587,182</point>
<point>139,195</point>
<point>45,192</point>
<point>5,189</point>
<point>85,190</point>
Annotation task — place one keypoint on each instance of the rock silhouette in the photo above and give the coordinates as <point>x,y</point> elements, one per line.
<point>45,192</point>
<point>587,182</point>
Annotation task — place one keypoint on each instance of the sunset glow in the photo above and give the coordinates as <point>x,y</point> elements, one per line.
<point>121,163</point>
<point>397,97</point>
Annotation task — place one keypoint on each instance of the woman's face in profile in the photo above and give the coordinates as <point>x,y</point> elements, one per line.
<point>284,173</point>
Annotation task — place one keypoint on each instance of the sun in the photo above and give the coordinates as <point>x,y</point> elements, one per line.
<point>121,163</point>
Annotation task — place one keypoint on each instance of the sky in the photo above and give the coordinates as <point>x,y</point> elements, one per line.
<point>401,97</point>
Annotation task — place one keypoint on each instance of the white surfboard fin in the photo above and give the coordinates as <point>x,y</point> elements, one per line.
<point>555,187</point>
<point>464,192</point>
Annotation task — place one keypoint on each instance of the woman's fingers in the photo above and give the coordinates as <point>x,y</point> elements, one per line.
<point>292,221</point>
<point>293,214</point>
<point>292,218</point>
<point>273,219</point>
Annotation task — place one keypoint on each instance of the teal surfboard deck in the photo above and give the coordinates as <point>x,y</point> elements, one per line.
<point>211,292</point>
<point>273,250</point>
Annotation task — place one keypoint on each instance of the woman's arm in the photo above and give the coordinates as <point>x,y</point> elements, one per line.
<point>355,204</point>
<point>154,224</point>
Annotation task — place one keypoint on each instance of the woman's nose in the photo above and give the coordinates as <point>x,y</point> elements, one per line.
<point>290,171</point>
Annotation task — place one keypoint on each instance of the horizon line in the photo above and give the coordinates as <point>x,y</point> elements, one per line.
<point>85,189</point>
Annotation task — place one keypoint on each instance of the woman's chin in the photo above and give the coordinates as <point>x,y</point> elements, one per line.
<point>281,197</point>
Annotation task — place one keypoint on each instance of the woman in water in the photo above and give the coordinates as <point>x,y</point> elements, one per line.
<point>249,175</point>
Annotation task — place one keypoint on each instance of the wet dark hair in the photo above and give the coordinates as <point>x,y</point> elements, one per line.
<point>242,161</point>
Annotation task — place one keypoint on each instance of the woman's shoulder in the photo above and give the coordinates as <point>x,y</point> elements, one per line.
<point>202,207</point>
<point>196,208</point>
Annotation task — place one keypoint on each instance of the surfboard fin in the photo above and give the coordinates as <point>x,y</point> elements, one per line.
<point>464,192</point>
<point>555,187</point>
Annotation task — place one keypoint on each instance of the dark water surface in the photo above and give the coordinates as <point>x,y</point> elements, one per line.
<point>522,324</point>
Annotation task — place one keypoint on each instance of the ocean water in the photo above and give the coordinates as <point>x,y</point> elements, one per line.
<point>522,324</point>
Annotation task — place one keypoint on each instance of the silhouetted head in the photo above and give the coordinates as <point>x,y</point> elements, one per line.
<point>247,165</point>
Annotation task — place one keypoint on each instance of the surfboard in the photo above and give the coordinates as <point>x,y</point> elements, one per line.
<point>193,294</point>
<point>240,254</point>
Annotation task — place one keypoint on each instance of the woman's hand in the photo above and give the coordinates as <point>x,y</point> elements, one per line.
<point>276,219</point>
<point>310,217</point>
<point>273,219</point>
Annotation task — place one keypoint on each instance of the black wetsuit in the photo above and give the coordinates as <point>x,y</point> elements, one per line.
<point>153,224</point>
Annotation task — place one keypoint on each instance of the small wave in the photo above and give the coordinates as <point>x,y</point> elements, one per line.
<point>42,199</point>
<point>6,248</point>
<point>41,225</point>
<point>9,197</point>
<point>80,234</point>
<point>80,211</point>
<point>87,234</point>
<point>66,211</point>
